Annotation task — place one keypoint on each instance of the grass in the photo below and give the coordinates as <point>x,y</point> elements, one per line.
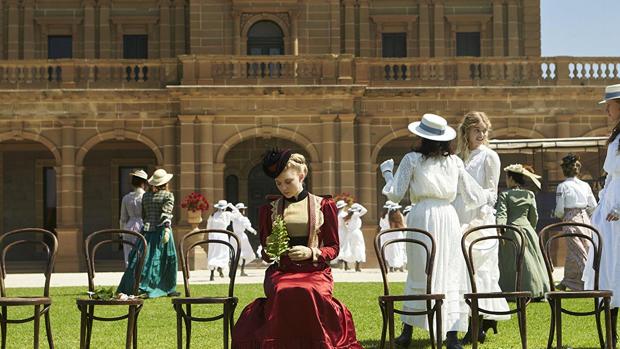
<point>157,321</point>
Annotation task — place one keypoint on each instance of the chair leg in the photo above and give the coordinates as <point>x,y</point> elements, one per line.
<point>608,329</point>
<point>48,328</point>
<point>130,325</point>
<point>431,330</point>
<point>438,305</point>
<point>83,325</point>
<point>390,312</point>
<point>475,316</point>
<point>37,325</point>
<point>383,325</point>
<point>135,329</point>
<point>599,308</point>
<point>89,324</point>
<point>558,322</point>
<point>521,303</point>
<point>188,326</point>
<point>3,326</point>
<point>179,327</point>
<point>552,325</point>
<point>226,324</point>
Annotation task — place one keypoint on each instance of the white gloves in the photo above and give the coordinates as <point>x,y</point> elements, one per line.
<point>166,237</point>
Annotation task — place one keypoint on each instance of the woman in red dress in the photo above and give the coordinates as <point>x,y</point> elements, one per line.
<point>299,310</point>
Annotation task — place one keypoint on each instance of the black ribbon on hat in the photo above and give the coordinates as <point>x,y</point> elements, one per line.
<point>275,160</point>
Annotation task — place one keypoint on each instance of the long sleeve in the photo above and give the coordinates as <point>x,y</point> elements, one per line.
<point>248,225</point>
<point>471,192</point>
<point>559,202</point>
<point>396,186</point>
<point>264,229</point>
<point>329,232</point>
<point>532,213</point>
<point>166,209</point>
<point>492,174</point>
<point>363,210</point>
<point>502,209</point>
<point>124,214</point>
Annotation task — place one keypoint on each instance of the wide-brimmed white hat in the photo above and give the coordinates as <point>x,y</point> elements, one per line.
<point>518,168</point>
<point>160,177</point>
<point>611,92</point>
<point>221,204</point>
<point>241,206</point>
<point>355,208</point>
<point>433,127</point>
<point>394,207</point>
<point>389,204</point>
<point>340,204</point>
<point>139,174</point>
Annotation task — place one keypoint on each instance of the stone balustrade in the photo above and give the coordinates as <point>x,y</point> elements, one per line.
<point>309,70</point>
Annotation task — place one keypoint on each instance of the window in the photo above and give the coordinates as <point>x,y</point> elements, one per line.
<point>135,46</point>
<point>59,46</point>
<point>394,44</point>
<point>468,44</point>
<point>49,198</point>
<point>265,38</point>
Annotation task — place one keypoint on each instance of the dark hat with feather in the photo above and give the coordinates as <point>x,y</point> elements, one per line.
<point>275,160</point>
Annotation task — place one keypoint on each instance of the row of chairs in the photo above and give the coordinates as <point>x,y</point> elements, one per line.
<point>547,236</point>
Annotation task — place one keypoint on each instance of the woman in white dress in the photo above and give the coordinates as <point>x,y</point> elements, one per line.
<point>240,224</point>
<point>483,164</point>
<point>606,215</point>
<point>131,210</point>
<point>341,205</point>
<point>394,253</point>
<point>356,251</point>
<point>433,175</point>
<point>574,202</point>
<point>218,255</point>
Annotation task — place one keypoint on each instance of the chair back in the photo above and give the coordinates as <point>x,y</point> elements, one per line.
<point>29,236</point>
<point>468,244</point>
<point>105,237</point>
<point>545,240</point>
<point>199,238</point>
<point>424,240</point>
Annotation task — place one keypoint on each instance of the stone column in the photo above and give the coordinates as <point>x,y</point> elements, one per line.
<point>347,153</point>
<point>498,28</point>
<point>89,28</point>
<point>365,169</point>
<point>513,29</point>
<point>424,30</point>
<point>179,27</point>
<point>206,156</point>
<point>349,26</point>
<point>236,18</point>
<point>28,29</point>
<point>328,166</point>
<point>164,29</point>
<point>440,35</point>
<point>13,30</point>
<point>364,28</point>
<point>335,33</point>
<point>218,180</point>
<point>105,37</point>
<point>187,171</point>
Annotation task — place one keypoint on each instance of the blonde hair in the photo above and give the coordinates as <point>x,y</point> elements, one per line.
<point>470,119</point>
<point>298,162</point>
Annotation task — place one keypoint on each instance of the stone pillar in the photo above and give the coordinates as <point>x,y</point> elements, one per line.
<point>328,165</point>
<point>294,32</point>
<point>424,30</point>
<point>13,30</point>
<point>335,33</point>
<point>365,169</point>
<point>347,153</point>
<point>218,180</point>
<point>89,28</point>
<point>105,37</point>
<point>440,35</point>
<point>498,28</point>
<point>179,27</point>
<point>349,26</point>
<point>28,29</point>
<point>164,29</point>
<point>364,28</point>
<point>236,18</point>
<point>206,156</point>
<point>187,171</point>
<point>513,29</point>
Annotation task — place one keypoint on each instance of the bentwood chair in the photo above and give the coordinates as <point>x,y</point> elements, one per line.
<point>522,298</point>
<point>183,305</point>
<point>28,236</point>
<point>86,306</point>
<point>602,298</point>
<point>433,301</point>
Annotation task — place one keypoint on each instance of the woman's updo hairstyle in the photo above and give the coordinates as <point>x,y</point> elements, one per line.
<point>298,162</point>
<point>571,166</point>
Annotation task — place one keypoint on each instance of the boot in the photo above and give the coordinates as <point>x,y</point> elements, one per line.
<point>357,266</point>
<point>614,324</point>
<point>243,269</point>
<point>452,341</point>
<point>405,336</point>
<point>481,333</point>
<point>489,324</point>
<point>211,278</point>
<point>346,266</point>
<point>219,270</point>
<point>391,269</point>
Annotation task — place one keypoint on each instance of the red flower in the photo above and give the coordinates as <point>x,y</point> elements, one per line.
<point>195,202</point>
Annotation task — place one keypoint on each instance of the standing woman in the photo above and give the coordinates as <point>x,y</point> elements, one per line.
<point>394,253</point>
<point>240,224</point>
<point>342,233</point>
<point>517,206</point>
<point>574,201</point>
<point>299,310</point>
<point>218,255</point>
<point>356,249</point>
<point>131,210</point>
<point>433,175</point>
<point>159,274</point>
<point>606,215</point>
<point>483,164</point>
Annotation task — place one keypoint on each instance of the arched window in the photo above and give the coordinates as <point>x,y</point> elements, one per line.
<point>265,38</point>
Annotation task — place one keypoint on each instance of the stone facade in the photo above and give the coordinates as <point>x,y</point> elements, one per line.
<point>204,110</point>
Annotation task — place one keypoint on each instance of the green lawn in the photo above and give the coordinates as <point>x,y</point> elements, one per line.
<point>157,322</point>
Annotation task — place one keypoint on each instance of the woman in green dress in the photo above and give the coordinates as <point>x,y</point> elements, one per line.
<point>159,274</point>
<point>517,206</point>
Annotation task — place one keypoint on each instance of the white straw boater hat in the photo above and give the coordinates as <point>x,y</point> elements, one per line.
<point>139,174</point>
<point>388,204</point>
<point>518,168</point>
<point>394,207</point>
<point>611,92</point>
<point>407,208</point>
<point>241,206</point>
<point>433,127</point>
<point>160,177</point>
<point>221,204</point>
<point>355,208</point>
<point>340,204</point>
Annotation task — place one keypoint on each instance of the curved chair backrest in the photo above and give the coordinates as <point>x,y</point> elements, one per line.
<point>104,237</point>
<point>430,253</point>
<point>201,237</point>
<point>30,236</point>
<point>468,246</point>
<point>545,241</point>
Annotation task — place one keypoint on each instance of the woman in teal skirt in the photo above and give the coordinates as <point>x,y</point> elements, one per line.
<point>517,206</point>
<point>159,275</point>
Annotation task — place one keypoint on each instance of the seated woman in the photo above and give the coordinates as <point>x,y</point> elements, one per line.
<point>299,310</point>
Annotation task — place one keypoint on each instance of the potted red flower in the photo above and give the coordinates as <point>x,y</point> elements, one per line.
<point>196,204</point>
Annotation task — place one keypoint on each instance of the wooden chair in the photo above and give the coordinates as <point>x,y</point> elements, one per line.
<point>87,306</point>
<point>183,305</point>
<point>522,298</point>
<point>387,300</point>
<point>30,236</point>
<point>602,298</point>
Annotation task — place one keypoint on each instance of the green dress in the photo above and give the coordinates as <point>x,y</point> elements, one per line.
<point>159,274</point>
<point>518,207</point>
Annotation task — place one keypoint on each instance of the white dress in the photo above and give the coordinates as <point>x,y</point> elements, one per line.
<point>218,255</point>
<point>395,255</point>
<point>131,218</point>
<point>356,248</point>
<point>240,224</point>
<point>484,166</point>
<point>343,241</point>
<point>433,184</point>
<point>609,199</point>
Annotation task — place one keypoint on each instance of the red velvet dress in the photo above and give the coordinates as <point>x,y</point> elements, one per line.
<point>299,311</point>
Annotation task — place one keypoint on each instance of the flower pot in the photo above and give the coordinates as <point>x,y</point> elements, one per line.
<point>194,217</point>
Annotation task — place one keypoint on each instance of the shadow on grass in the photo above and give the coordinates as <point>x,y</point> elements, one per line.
<point>415,344</point>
